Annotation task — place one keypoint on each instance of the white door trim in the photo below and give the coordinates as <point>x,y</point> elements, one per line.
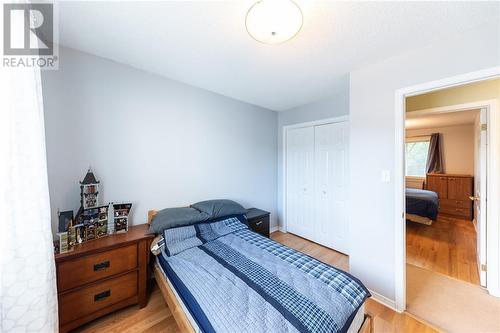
<point>283,228</point>
<point>451,108</point>
<point>493,178</point>
<point>482,173</point>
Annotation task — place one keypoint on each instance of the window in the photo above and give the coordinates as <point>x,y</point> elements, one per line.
<point>416,156</point>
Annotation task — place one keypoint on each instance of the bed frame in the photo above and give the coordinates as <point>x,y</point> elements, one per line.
<point>419,219</point>
<point>180,316</point>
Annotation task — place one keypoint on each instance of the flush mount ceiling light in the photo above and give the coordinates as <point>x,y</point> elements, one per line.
<point>273,21</point>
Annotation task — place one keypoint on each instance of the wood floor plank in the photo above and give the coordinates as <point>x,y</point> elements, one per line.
<point>167,325</point>
<point>448,246</point>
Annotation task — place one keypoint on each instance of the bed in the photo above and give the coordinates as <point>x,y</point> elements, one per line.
<point>253,284</point>
<point>421,206</point>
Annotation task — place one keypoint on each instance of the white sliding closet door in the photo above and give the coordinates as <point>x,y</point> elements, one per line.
<point>300,181</point>
<point>330,182</point>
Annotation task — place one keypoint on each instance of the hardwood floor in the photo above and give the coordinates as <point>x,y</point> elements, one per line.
<point>156,316</point>
<point>448,247</point>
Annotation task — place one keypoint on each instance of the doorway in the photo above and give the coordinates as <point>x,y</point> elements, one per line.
<point>444,223</point>
<point>483,181</point>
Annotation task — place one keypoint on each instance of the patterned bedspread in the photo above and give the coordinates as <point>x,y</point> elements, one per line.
<point>234,280</point>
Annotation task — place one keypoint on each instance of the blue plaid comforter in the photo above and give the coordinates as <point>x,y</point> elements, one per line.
<point>234,280</point>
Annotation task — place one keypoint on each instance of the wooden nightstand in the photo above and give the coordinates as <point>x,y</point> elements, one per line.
<point>258,221</point>
<point>102,275</point>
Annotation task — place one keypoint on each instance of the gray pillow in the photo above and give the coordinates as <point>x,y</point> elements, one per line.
<point>219,208</point>
<point>176,217</point>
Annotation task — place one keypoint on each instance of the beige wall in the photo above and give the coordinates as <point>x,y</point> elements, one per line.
<point>457,144</point>
<point>479,91</point>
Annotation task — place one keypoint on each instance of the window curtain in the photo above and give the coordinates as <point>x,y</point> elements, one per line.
<point>28,296</point>
<point>435,156</point>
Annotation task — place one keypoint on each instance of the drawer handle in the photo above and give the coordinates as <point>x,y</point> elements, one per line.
<point>102,296</point>
<point>101,265</point>
<point>258,223</point>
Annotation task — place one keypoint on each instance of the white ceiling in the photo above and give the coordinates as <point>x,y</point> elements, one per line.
<point>205,44</point>
<point>421,121</point>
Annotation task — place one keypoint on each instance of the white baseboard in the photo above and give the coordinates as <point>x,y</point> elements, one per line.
<point>276,228</point>
<point>384,300</point>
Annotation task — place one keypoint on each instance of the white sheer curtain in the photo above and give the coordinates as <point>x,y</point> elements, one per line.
<point>28,296</point>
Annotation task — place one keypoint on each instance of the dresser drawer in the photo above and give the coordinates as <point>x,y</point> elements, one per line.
<point>87,269</point>
<point>462,212</point>
<point>450,203</point>
<point>82,302</point>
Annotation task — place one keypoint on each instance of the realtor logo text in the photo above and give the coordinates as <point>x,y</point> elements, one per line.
<point>29,35</point>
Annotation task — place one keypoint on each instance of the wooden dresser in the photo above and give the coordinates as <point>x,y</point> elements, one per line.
<point>101,276</point>
<point>454,192</point>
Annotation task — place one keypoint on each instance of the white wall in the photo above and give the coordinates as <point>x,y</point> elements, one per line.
<point>153,141</point>
<point>335,106</point>
<point>457,144</point>
<point>372,139</point>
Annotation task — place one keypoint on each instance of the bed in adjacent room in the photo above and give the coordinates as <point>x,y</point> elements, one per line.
<point>219,276</point>
<point>421,206</point>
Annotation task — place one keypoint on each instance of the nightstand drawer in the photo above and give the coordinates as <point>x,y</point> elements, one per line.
<point>87,269</point>
<point>260,225</point>
<point>82,302</point>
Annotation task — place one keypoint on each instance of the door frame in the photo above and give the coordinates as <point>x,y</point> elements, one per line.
<point>493,171</point>
<point>487,106</point>
<point>339,119</point>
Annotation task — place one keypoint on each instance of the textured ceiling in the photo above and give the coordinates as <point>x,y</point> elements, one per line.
<point>205,43</point>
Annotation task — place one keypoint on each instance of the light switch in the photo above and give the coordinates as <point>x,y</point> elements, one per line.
<point>386,176</point>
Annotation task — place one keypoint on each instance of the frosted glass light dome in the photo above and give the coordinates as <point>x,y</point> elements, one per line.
<point>273,21</point>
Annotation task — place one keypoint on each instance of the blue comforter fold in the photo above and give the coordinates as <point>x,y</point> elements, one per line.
<point>422,202</point>
<point>235,280</point>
